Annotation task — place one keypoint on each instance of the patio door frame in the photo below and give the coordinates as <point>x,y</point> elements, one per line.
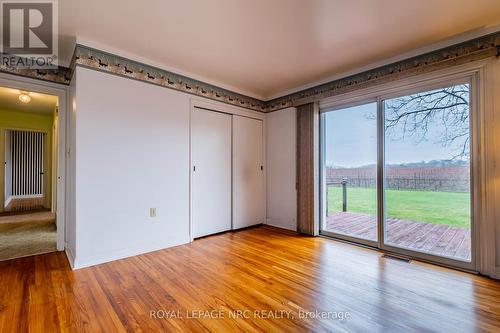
<point>469,73</point>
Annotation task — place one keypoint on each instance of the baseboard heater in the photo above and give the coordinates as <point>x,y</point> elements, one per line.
<point>396,257</point>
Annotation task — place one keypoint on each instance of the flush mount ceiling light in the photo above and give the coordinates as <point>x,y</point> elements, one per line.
<point>25,97</point>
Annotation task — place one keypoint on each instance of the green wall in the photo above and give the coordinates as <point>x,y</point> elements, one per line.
<point>22,120</point>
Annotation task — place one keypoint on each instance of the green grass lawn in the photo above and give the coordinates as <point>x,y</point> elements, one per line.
<point>452,208</point>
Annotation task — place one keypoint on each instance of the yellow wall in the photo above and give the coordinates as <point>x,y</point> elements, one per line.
<point>22,120</point>
<point>27,121</point>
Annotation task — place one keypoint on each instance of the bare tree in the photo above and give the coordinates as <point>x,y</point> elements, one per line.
<point>441,115</point>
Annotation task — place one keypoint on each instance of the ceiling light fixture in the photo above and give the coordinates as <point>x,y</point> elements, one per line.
<point>24,97</point>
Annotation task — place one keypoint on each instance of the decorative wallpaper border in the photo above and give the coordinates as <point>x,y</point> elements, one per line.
<point>60,75</point>
<point>110,63</point>
<point>476,49</point>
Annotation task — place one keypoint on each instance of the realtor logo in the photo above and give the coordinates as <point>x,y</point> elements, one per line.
<point>29,31</point>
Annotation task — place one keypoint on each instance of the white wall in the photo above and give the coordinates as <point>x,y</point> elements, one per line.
<point>132,153</point>
<point>281,168</point>
<point>129,152</point>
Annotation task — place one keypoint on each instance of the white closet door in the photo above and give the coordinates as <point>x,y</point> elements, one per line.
<point>211,170</point>
<point>248,176</point>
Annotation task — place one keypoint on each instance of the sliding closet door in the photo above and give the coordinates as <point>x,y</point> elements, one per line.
<point>211,169</point>
<point>248,175</point>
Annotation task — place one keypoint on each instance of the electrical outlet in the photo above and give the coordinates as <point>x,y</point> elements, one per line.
<point>152,212</point>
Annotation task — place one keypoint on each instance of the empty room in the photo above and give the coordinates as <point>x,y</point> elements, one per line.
<point>249,166</point>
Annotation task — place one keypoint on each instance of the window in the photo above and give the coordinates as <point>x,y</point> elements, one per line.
<point>351,171</point>
<point>396,173</point>
<point>427,172</point>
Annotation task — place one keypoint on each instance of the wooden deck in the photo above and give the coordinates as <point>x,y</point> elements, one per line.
<point>437,239</point>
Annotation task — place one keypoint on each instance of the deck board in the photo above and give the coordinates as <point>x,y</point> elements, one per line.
<point>438,239</point>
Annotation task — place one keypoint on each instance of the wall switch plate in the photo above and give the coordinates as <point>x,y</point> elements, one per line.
<point>152,212</point>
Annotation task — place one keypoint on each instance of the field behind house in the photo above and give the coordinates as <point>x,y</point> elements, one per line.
<point>451,208</point>
<point>437,195</point>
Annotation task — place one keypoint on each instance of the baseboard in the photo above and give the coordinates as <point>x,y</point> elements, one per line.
<point>24,203</point>
<point>8,201</point>
<point>288,225</point>
<point>125,253</point>
<point>248,227</point>
<point>70,256</point>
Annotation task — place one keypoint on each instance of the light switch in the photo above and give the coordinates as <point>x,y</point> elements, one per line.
<point>152,212</point>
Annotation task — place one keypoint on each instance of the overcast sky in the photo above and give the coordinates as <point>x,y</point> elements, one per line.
<point>352,141</point>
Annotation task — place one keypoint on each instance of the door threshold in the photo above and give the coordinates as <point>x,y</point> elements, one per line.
<point>396,257</point>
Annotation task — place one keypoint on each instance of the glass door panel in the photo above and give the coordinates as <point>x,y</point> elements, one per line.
<point>427,173</point>
<point>350,172</point>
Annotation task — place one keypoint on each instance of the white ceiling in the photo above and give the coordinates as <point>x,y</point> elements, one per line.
<point>264,48</point>
<point>40,103</point>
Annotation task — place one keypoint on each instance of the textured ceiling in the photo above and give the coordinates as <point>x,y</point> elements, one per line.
<point>264,48</point>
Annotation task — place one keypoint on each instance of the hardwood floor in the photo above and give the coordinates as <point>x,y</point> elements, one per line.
<point>261,269</point>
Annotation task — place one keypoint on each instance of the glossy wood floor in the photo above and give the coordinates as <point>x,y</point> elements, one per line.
<point>260,269</point>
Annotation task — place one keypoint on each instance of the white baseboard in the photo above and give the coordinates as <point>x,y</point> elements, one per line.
<point>7,202</point>
<point>283,224</point>
<point>97,259</point>
<point>70,256</point>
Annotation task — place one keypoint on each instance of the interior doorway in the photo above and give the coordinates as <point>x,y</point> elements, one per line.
<point>29,124</point>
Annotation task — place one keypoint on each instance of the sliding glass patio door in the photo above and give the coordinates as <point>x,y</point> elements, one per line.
<point>350,173</point>
<point>427,173</point>
<point>396,173</point>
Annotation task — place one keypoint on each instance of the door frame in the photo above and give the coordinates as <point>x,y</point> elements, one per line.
<point>61,91</point>
<point>473,73</point>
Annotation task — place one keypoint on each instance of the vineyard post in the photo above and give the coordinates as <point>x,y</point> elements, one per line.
<point>344,194</point>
